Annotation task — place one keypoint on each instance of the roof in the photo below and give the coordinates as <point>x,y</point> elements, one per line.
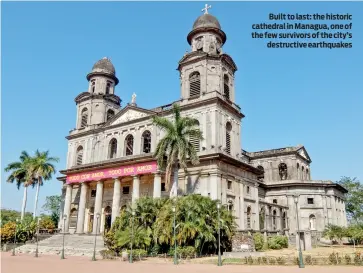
<point>206,20</point>
<point>299,150</point>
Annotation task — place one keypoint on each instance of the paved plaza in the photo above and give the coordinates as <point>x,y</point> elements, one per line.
<point>53,264</point>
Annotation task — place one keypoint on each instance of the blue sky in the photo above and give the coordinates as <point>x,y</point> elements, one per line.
<point>289,96</point>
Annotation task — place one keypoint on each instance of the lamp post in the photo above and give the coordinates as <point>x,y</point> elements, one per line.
<point>132,234</point>
<point>16,226</point>
<point>36,251</point>
<point>94,246</point>
<point>219,236</point>
<point>175,253</point>
<point>301,260</point>
<point>64,233</point>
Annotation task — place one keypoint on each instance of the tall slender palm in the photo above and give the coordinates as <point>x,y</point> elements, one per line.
<point>42,169</point>
<point>21,172</point>
<point>176,145</point>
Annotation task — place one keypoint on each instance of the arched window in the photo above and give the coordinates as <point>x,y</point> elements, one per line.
<point>84,117</point>
<point>194,84</point>
<point>93,86</point>
<point>262,176</point>
<point>283,171</point>
<point>312,222</point>
<point>79,155</point>
<point>112,148</point>
<point>226,86</point>
<point>110,114</point>
<point>195,140</point>
<point>307,174</point>
<point>108,88</point>
<point>248,189</point>
<point>146,142</point>
<point>302,173</point>
<point>298,170</point>
<point>274,213</point>
<point>262,218</point>
<point>228,137</point>
<point>129,145</point>
<point>248,217</point>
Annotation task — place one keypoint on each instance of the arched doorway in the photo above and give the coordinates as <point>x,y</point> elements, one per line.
<point>90,219</point>
<point>108,218</point>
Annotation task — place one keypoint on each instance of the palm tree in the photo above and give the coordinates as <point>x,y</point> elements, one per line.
<point>176,144</point>
<point>42,169</point>
<point>22,174</point>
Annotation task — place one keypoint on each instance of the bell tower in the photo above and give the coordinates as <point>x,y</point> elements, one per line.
<point>206,71</point>
<point>99,103</point>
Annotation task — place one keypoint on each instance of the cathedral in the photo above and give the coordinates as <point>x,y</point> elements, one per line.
<point>110,152</point>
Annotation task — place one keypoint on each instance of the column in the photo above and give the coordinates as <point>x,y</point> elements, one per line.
<point>291,214</point>
<point>157,185</point>
<point>135,188</point>
<point>82,208</point>
<point>98,207</point>
<point>257,218</point>
<point>67,206</point>
<point>326,215</point>
<point>214,187</point>
<point>242,209</point>
<point>333,210</point>
<point>116,199</point>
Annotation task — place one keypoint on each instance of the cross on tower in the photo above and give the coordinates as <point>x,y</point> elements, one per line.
<point>206,7</point>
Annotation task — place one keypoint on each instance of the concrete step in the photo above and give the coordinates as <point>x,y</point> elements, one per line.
<point>74,245</point>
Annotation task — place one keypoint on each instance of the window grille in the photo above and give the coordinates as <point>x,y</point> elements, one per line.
<point>146,142</point>
<point>84,117</point>
<point>226,86</point>
<point>194,84</point>
<point>129,143</point>
<point>79,160</point>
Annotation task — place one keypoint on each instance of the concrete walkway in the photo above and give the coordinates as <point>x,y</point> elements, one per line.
<point>53,264</point>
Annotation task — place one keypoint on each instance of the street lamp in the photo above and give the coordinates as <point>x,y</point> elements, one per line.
<point>94,247</point>
<point>64,233</point>
<point>132,234</point>
<point>175,254</point>
<point>219,236</point>
<point>36,251</point>
<point>301,261</point>
<point>16,226</point>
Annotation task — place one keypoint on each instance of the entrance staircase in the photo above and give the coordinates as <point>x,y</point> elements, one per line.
<point>74,245</point>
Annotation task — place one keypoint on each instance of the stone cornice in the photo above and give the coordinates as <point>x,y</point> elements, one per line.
<point>305,184</point>
<point>216,100</point>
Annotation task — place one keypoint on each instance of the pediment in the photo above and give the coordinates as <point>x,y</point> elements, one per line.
<point>303,153</point>
<point>129,115</point>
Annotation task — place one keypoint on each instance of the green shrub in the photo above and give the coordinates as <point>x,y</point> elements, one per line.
<point>249,260</point>
<point>358,259</point>
<point>137,253</point>
<point>281,260</point>
<point>264,260</point>
<point>46,223</point>
<point>272,260</point>
<point>308,260</point>
<point>348,259</point>
<point>108,254</point>
<point>259,241</point>
<point>277,242</point>
<point>259,260</point>
<point>333,258</point>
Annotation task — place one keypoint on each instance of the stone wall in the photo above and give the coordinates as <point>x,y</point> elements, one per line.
<point>242,242</point>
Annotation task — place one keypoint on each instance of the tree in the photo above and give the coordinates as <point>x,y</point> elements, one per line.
<point>176,145</point>
<point>334,232</point>
<point>52,205</point>
<point>42,169</point>
<point>196,225</point>
<point>354,198</point>
<point>21,172</point>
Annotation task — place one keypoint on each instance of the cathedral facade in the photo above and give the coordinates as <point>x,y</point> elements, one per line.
<point>110,152</point>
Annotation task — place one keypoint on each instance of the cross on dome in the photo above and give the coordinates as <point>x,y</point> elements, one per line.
<point>206,7</point>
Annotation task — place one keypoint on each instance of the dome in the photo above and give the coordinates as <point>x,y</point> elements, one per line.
<point>104,65</point>
<point>206,20</point>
